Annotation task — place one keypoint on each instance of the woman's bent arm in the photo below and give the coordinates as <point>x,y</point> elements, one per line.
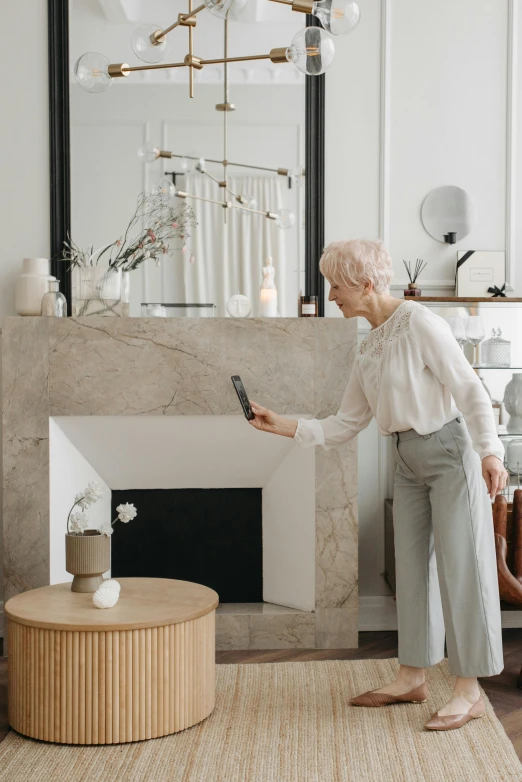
<point>354,414</point>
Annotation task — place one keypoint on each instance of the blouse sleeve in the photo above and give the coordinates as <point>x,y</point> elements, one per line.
<point>440,352</point>
<point>354,415</point>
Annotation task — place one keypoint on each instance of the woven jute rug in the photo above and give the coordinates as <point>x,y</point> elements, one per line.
<point>290,722</point>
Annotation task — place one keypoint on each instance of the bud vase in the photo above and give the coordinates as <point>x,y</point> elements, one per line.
<point>87,558</point>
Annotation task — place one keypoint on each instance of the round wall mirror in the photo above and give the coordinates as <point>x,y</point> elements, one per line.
<point>448,213</point>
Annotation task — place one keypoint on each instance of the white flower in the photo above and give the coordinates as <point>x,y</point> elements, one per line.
<point>79,522</point>
<point>126,512</point>
<point>106,529</point>
<point>93,492</point>
<point>81,500</point>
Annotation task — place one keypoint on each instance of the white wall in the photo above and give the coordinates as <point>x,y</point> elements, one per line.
<point>421,95</point>
<point>69,473</point>
<point>24,143</point>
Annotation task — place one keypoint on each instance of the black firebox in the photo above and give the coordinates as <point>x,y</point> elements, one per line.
<point>209,536</point>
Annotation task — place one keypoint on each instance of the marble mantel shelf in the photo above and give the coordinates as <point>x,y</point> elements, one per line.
<point>177,366</point>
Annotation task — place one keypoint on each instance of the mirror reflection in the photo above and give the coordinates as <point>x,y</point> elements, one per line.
<point>232,156</point>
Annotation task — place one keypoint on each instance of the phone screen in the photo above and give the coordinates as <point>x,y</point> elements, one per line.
<point>243,397</point>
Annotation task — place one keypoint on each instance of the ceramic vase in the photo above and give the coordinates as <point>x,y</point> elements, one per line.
<point>32,285</point>
<point>513,403</point>
<point>87,558</point>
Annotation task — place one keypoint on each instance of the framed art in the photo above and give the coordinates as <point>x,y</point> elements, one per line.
<point>478,270</point>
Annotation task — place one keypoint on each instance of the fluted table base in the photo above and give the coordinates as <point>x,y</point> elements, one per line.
<point>110,687</point>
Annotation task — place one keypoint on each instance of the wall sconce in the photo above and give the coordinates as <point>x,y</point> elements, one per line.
<point>445,207</point>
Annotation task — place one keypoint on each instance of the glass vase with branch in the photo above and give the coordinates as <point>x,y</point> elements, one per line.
<point>102,275</point>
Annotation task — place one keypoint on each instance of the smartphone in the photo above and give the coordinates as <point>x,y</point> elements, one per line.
<point>243,397</point>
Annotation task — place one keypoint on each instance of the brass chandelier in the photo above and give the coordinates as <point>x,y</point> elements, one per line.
<point>311,50</point>
<point>283,217</point>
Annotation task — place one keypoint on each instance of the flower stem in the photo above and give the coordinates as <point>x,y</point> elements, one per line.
<point>73,507</point>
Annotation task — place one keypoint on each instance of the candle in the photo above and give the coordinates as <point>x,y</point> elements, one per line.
<point>268,301</point>
<point>268,295</point>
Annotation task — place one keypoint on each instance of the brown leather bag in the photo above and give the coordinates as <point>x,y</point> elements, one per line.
<point>509,583</point>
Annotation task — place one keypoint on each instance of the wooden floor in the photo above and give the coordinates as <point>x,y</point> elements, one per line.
<point>501,690</point>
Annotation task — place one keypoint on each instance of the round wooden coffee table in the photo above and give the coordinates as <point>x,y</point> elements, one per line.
<point>82,675</point>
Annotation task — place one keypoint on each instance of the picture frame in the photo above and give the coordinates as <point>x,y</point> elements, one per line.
<point>478,270</point>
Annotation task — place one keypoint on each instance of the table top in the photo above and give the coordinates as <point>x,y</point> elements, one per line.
<point>144,602</point>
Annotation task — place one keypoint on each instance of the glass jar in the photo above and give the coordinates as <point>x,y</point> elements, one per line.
<point>496,351</point>
<point>183,310</point>
<point>514,456</point>
<point>308,306</point>
<point>54,303</point>
<point>412,290</point>
<point>153,311</point>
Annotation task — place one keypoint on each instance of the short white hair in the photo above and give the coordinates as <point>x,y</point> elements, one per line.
<point>353,262</point>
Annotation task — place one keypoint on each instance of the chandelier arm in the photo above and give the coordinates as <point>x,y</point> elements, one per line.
<point>123,69</point>
<point>303,6</point>
<point>221,60</point>
<point>126,69</point>
<point>191,54</point>
<point>227,204</point>
<point>183,194</point>
<point>224,184</point>
<point>266,212</point>
<point>225,103</point>
<point>182,18</point>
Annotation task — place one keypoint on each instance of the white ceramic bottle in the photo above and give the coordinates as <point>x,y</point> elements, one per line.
<point>32,285</point>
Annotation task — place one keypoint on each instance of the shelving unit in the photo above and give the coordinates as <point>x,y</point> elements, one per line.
<point>505,313</point>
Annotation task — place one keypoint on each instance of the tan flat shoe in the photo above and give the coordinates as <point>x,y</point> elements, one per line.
<point>452,721</point>
<point>372,698</point>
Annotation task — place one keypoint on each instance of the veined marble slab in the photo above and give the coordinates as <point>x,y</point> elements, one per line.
<point>181,366</point>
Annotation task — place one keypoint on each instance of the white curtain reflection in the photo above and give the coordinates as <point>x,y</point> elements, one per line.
<point>228,258</point>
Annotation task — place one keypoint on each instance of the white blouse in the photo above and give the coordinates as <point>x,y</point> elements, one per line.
<point>410,373</point>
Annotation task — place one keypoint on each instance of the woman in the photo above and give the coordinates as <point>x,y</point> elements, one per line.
<point>410,373</point>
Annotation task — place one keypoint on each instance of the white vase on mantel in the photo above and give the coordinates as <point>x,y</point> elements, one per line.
<point>32,285</point>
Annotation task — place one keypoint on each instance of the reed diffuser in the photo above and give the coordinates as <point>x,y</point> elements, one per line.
<point>412,289</point>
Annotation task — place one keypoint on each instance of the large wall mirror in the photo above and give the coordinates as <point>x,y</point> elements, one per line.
<point>107,154</point>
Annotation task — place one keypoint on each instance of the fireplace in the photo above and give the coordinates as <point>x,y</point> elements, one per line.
<point>143,406</point>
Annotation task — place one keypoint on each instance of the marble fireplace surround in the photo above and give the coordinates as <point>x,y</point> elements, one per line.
<point>98,366</point>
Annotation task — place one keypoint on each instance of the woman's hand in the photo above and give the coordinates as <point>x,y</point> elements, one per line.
<point>268,421</point>
<point>495,475</point>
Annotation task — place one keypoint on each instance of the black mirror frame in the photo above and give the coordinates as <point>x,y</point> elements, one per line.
<point>59,155</point>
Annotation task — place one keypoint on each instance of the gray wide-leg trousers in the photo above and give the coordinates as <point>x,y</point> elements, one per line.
<point>446,573</point>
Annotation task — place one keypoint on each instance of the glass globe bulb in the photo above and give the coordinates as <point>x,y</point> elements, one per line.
<point>144,45</point>
<point>339,17</point>
<point>285,219</point>
<point>311,51</point>
<point>166,190</point>
<point>91,72</point>
<point>226,9</point>
<point>247,200</point>
<point>192,162</point>
<point>148,153</point>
